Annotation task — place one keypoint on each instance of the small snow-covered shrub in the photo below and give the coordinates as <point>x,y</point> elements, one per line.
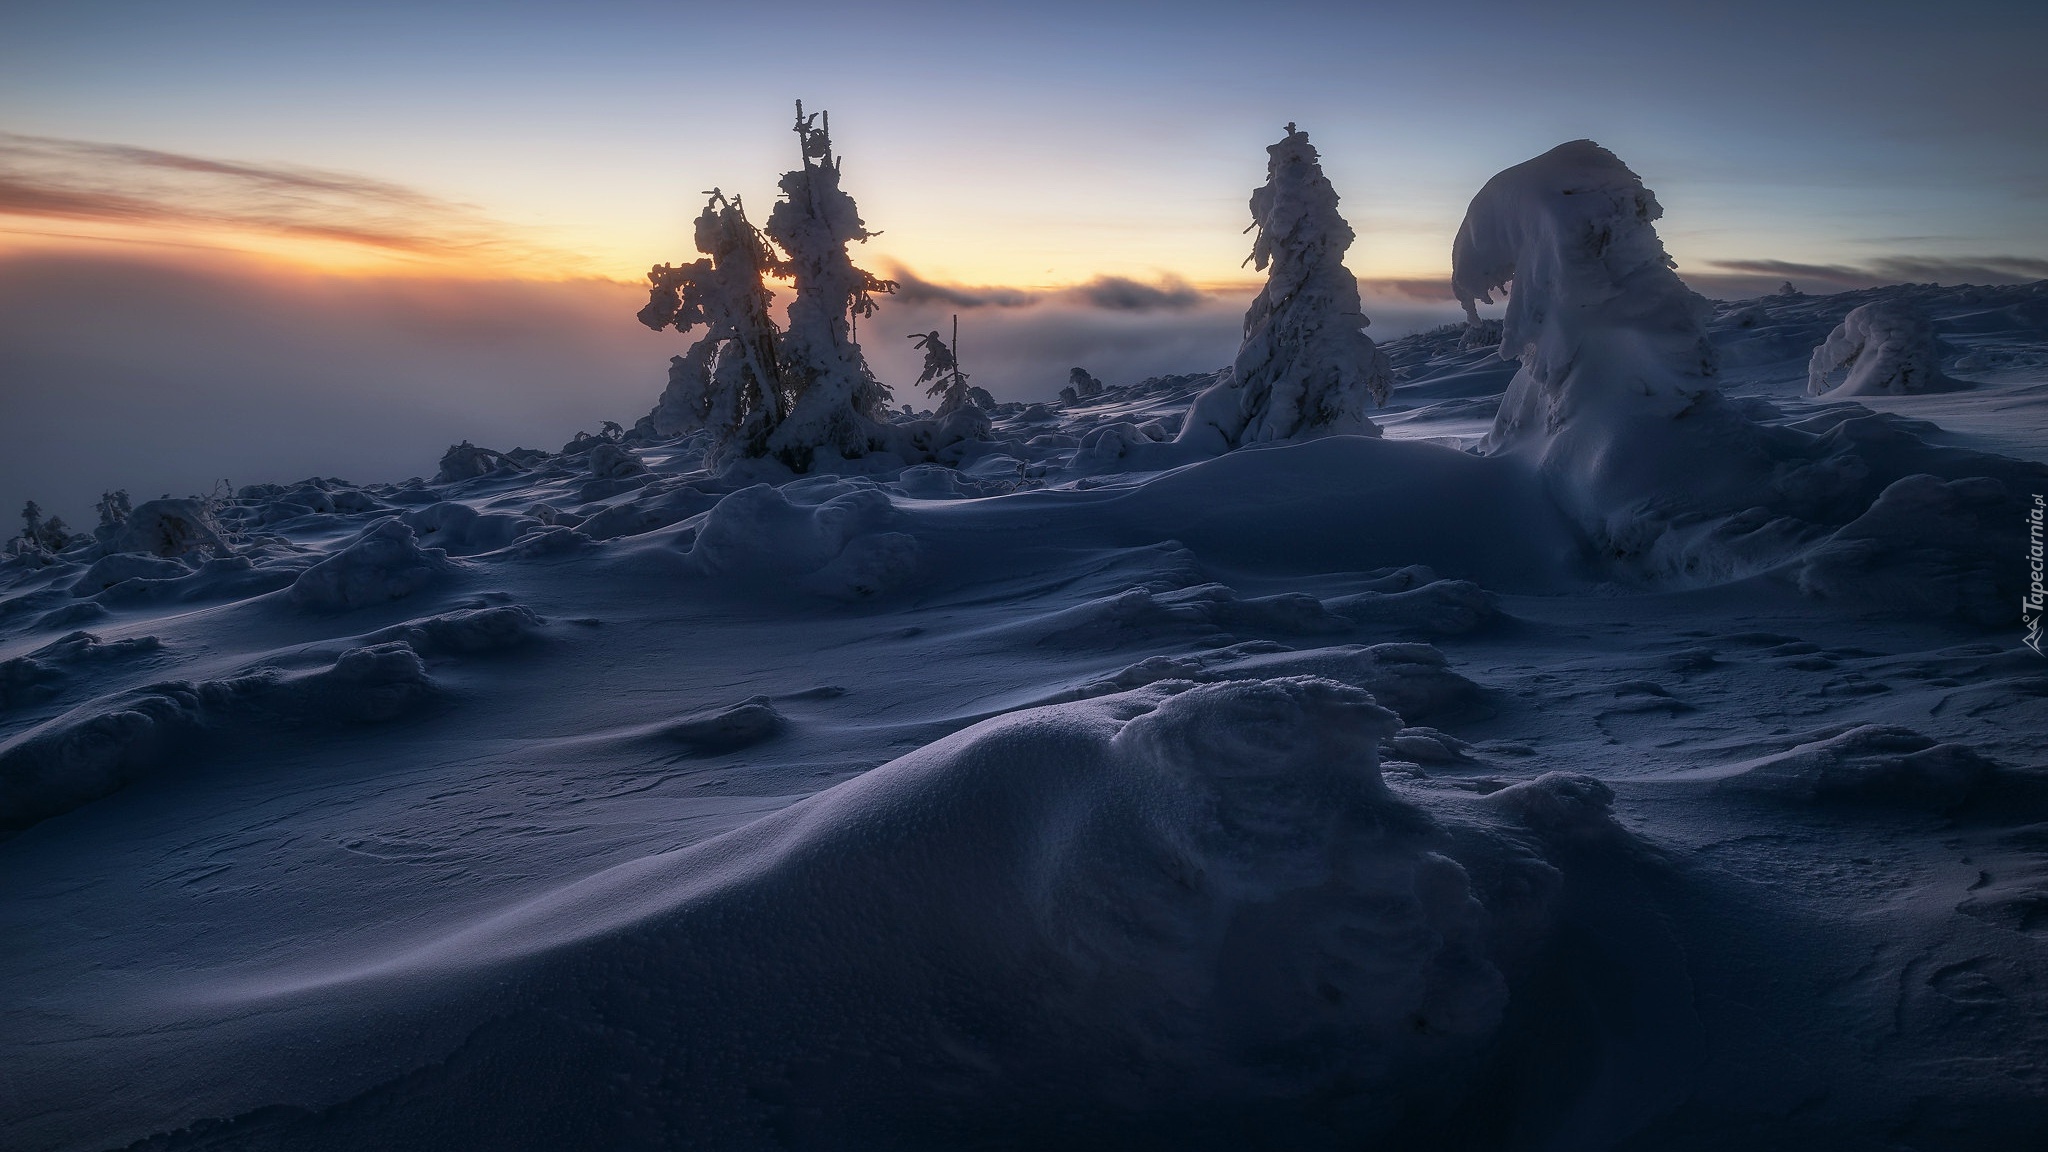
<point>466,461</point>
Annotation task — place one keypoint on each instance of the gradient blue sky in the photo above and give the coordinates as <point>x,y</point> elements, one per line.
<point>1053,144</point>
<point>262,240</point>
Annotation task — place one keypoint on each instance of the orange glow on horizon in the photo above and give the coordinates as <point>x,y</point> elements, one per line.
<point>341,257</point>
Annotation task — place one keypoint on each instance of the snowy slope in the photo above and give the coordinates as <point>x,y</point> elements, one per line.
<point>1097,792</point>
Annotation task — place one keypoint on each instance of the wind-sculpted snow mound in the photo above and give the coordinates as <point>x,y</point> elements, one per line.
<point>1882,348</point>
<point>1925,545</point>
<point>843,547</point>
<point>100,747</point>
<point>44,672</point>
<point>383,563</point>
<point>1415,681</point>
<point>166,528</point>
<point>460,530</point>
<point>1870,764</point>
<point>1180,917</point>
<point>464,632</point>
<point>1209,611</point>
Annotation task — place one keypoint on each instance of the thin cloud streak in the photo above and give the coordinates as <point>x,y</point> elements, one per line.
<point>1734,279</point>
<point>45,178</point>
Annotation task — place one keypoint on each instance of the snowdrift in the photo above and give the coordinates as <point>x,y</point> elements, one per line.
<point>1181,916</point>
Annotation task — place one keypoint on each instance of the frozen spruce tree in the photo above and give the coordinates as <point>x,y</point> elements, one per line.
<point>942,377</point>
<point>838,406</point>
<point>729,382</point>
<point>1306,366</point>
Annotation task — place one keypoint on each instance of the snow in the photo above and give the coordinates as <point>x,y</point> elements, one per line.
<point>1609,754</point>
<point>1884,347</point>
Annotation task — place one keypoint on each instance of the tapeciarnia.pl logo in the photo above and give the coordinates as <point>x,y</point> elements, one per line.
<point>2030,608</point>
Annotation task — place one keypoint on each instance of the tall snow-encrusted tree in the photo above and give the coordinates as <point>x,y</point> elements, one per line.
<point>729,381</point>
<point>1306,366</point>
<point>838,405</point>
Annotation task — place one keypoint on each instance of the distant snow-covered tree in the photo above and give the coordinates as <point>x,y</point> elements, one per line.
<point>838,406</point>
<point>1885,347</point>
<point>729,381</point>
<point>114,508</point>
<point>1084,384</point>
<point>1306,366</point>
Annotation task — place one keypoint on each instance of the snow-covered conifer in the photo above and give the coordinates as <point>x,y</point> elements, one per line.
<point>1084,384</point>
<point>114,508</point>
<point>729,381</point>
<point>942,376</point>
<point>1603,326</point>
<point>1885,347</point>
<point>1306,366</point>
<point>837,404</point>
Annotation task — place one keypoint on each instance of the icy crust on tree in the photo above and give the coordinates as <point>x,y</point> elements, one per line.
<point>1883,348</point>
<point>1601,323</point>
<point>1306,366</point>
<point>729,382</point>
<point>840,407</point>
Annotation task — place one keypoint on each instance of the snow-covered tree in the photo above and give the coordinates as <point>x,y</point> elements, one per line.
<point>1602,324</point>
<point>838,406</point>
<point>1306,366</point>
<point>942,377</point>
<point>114,508</point>
<point>1885,347</point>
<point>1084,384</point>
<point>1613,404</point>
<point>729,381</point>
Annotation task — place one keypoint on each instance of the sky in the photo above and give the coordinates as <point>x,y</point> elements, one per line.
<point>245,237</point>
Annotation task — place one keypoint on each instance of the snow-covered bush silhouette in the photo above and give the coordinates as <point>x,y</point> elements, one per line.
<point>729,382</point>
<point>941,376</point>
<point>1306,365</point>
<point>1883,348</point>
<point>466,461</point>
<point>1081,385</point>
<point>38,534</point>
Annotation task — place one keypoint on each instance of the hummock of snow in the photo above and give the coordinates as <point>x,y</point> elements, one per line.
<point>385,562</point>
<point>1885,347</point>
<point>166,528</point>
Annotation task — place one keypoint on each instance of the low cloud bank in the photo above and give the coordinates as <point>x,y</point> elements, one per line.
<point>167,373</point>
